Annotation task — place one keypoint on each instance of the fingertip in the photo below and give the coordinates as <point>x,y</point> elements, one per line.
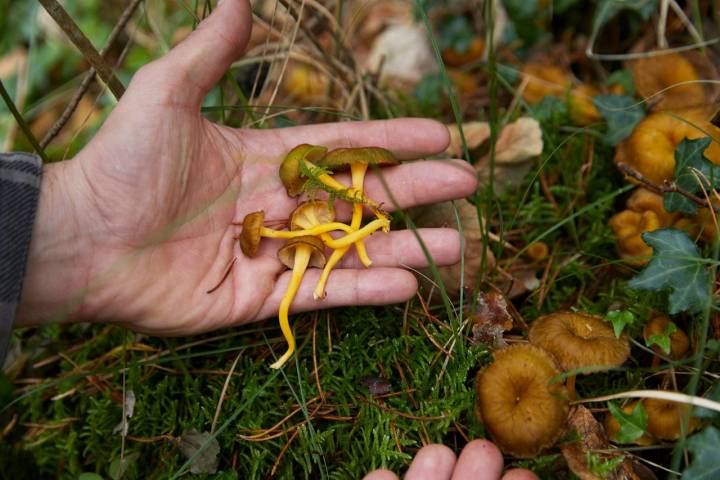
<point>479,459</point>
<point>465,176</point>
<point>380,474</point>
<point>519,474</point>
<point>434,462</point>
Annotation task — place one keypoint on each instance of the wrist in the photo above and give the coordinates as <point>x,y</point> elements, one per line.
<point>60,255</point>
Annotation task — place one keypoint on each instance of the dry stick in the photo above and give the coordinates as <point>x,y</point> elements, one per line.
<point>667,187</point>
<point>218,409</point>
<point>78,38</point>
<point>90,75</point>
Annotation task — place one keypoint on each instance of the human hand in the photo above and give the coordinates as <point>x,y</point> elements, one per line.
<point>138,226</point>
<point>479,460</point>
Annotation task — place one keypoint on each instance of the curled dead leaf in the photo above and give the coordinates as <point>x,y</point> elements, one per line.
<point>591,437</point>
<point>402,53</point>
<point>490,319</point>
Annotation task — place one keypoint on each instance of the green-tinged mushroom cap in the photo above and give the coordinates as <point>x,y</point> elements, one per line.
<point>290,173</point>
<point>343,158</point>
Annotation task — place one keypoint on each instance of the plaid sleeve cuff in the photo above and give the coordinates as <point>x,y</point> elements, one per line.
<point>19,192</point>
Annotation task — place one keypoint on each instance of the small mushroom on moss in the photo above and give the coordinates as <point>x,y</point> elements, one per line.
<point>660,325</point>
<point>518,403</point>
<point>582,109</point>
<point>537,251</point>
<point>578,340</point>
<point>542,80</point>
<point>612,427</point>
<point>298,254</point>
<point>666,418</point>
<point>454,58</point>
<point>668,81</point>
<point>253,231</point>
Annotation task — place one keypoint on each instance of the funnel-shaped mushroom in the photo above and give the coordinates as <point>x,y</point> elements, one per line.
<point>357,160</point>
<point>297,254</point>
<point>542,80</point>
<point>579,340</point>
<point>253,231</point>
<point>665,418</point>
<point>520,407</point>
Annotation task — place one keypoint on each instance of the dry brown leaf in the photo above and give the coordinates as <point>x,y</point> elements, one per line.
<point>591,438</point>
<point>443,215</point>
<point>475,134</point>
<point>490,319</point>
<point>402,53</point>
<point>11,63</point>
<point>519,141</point>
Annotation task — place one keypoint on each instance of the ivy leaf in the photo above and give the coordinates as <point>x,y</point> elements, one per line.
<point>608,9</point>
<point>632,425</point>
<point>713,394</point>
<point>693,172</point>
<point>619,319</point>
<point>676,266</point>
<point>662,339</point>
<point>621,113</point>
<point>706,461</point>
<point>624,79</point>
<point>456,33</point>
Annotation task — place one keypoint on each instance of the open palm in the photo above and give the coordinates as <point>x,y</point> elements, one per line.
<point>150,204</point>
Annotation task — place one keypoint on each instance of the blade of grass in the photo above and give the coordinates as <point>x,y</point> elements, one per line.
<point>21,123</point>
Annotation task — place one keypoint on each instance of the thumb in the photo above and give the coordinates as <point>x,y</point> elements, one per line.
<point>203,57</point>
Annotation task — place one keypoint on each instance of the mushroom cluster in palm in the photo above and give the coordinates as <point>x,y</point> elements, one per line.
<point>308,169</point>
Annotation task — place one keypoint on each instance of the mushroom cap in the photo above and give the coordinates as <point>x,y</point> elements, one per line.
<point>342,158</point>
<point>286,254</point>
<point>579,340</point>
<point>612,427</point>
<point>521,409</point>
<point>679,341</point>
<point>250,235</point>
<point>664,418</point>
<point>290,167</point>
<point>310,214</point>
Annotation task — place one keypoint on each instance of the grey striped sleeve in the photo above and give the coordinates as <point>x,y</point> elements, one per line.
<point>19,192</point>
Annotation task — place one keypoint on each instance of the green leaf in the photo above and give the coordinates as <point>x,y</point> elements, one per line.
<point>456,33</point>
<point>712,394</point>
<point>632,425</point>
<point>624,78</point>
<point>608,9</point>
<point>676,266</point>
<point>706,461</point>
<point>693,173</point>
<point>621,113</point>
<point>619,319</point>
<point>662,339</point>
<point>89,476</point>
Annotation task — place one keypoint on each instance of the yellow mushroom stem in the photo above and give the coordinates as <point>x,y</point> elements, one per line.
<point>313,232</point>
<point>350,192</point>
<point>353,237</point>
<point>302,258</point>
<point>358,171</point>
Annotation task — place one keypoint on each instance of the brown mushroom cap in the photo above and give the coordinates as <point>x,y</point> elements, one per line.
<point>286,254</point>
<point>310,214</point>
<point>578,340</point>
<point>679,341</point>
<point>250,235</point>
<point>664,418</point>
<point>290,166</point>
<point>519,406</point>
<point>342,158</point>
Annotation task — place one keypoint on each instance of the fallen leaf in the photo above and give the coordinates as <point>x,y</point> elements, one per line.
<point>122,427</point>
<point>205,446</point>
<point>12,62</point>
<point>402,52</point>
<point>706,461</point>
<point>519,141</point>
<point>491,319</point>
<point>475,134</point>
<point>376,385</point>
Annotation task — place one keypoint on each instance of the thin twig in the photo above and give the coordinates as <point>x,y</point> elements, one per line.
<point>21,122</point>
<point>667,187</point>
<point>90,75</point>
<point>78,38</point>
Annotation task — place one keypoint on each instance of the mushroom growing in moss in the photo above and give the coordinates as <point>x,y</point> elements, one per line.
<point>666,418</point>
<point>521,408</point>
<point>298,254</point>
<point>578,340</point>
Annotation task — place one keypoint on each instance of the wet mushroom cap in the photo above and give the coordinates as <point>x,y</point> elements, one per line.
<point>665,417</point>
<point>518,405</point>
<point>286,254</point>
<point>251,234</point>
<point>579,340</point>
<point>679,341</point>
<point>290,171</point>
<point>310,214</point>
<point>342,158</point>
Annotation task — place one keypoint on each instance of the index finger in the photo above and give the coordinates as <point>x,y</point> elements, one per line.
<point>407,138</point>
